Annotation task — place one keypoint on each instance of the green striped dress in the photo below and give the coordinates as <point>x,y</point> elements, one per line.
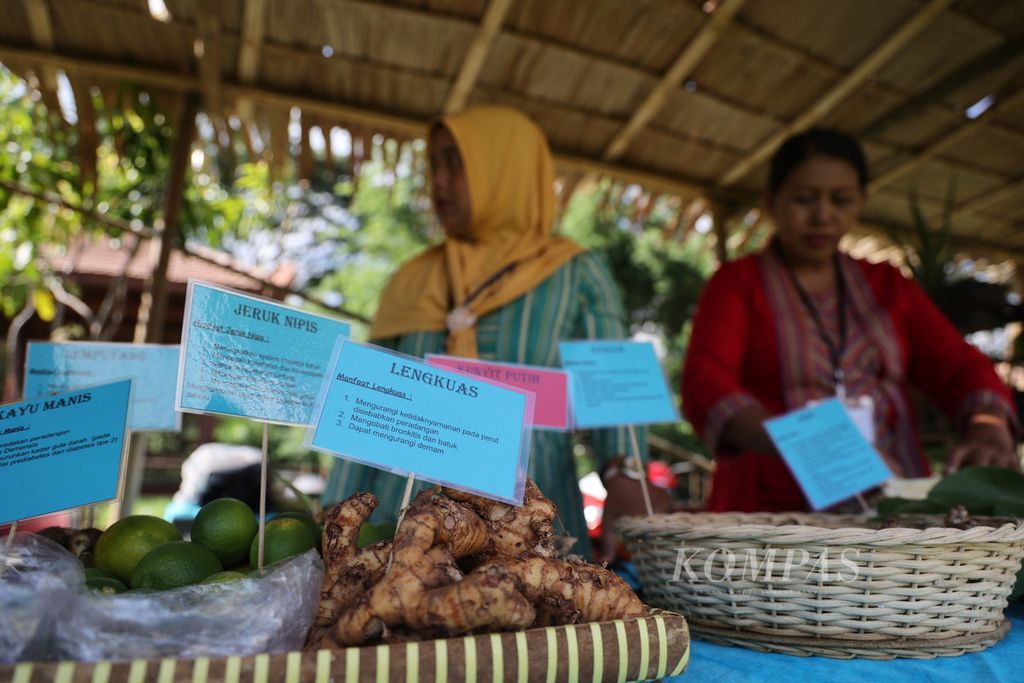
<point>579,301</point>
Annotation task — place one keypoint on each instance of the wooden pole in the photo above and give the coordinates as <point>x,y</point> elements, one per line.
<point>149,327</point>
<point>720,218</point>
<point>153,306</point>
<point>7,547</point>
<point>639,464</point>
<point>261,532</point>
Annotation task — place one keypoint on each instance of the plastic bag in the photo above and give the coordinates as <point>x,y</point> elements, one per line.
<point>37,578</point>
<point>267,613</point>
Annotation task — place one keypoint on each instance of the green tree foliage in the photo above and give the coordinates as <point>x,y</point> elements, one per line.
<point>970,302</point>
<point>36,151</point>
<point>392,210</point>
<point>44,153</point>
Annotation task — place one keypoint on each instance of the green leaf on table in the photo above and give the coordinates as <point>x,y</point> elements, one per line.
<point>891,507</point>
<point>988,491</point>
<point>1009,508</point>
<point>982,490</point>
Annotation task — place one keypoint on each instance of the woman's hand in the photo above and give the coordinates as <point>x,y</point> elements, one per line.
<point>982,444</point>
<point>626,498</point>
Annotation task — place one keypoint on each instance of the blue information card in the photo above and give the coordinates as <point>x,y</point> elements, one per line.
<point>52,367</point>
<point>252,357</point>
<point>616,382</point>
<point>63,451</point>
<point>399,414</point>
<point>828,455</point>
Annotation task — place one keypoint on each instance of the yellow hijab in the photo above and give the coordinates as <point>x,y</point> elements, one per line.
<point>511,177</point>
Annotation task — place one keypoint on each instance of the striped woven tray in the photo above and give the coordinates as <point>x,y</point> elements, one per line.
<point>624,650</point>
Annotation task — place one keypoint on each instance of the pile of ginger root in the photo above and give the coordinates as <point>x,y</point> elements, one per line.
<point>458,564</point>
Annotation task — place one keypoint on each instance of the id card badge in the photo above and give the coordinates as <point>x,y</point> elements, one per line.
<point>861,410</point>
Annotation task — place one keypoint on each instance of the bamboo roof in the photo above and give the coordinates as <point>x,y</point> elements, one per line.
<point>683,97</point>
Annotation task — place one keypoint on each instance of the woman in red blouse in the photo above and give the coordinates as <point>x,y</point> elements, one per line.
<point>801,321</point>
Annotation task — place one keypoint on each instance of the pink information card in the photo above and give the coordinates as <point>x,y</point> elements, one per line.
<point>549,385</point>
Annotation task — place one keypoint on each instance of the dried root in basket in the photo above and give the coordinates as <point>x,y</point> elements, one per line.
<point>458,563</point>
<point>434,532</point>
<point>514,531</point>
<point>348,570</point>
<point>571,591</point>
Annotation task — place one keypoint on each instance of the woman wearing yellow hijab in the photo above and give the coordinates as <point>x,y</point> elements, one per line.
<point>501,287</point>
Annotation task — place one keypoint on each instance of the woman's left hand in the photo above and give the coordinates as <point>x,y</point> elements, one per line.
<point>984,444</point>
<point>625,499</point>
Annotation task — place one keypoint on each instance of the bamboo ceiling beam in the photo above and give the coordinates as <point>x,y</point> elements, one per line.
<point>209,70</point>
<point>996,58</point>
<point>251,43</point>
<point>683,65</point>
<point>944,142</point>
<point>920,20</point>
<point>157,77</point>
<point>390,11</point>
<point>490,25</point>
<point>167,80</point>
<point>981,202</point>
<point>112,71</point>
<point>39,24</point>
<point>353,117</point>
<point>40,28</point>
<point>400,125</point>
<point>249,46</point>
<point>606,60</point>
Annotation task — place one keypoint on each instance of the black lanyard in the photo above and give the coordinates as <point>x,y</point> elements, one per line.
<point>835,349</point>
<point>482,288</point>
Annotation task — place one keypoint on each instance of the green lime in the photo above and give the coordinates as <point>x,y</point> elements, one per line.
<point>179,563</point>
<point>105,584</point>
<point>283,538</point>
<point>223,577</point>
<point>96,572</point>
<point>226,526</point>
<point>318,531</point>
<point>241,568</point>
<point>127,541</point>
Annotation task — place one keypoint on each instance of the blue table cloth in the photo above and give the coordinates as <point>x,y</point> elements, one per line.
<point>1004,661</point>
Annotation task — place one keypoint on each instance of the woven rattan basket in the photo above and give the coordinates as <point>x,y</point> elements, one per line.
<point>831,585</point>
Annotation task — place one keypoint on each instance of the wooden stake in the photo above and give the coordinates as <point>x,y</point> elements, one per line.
<point>406,497</point>
<point>865,508</point>
<point>263,498</point>
<point>407,494</point>
<point>7,546</point>
<point>135,470</point>
<point>640,467</point>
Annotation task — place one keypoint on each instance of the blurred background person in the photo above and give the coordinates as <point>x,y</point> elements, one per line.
<point>501,287</point>
<point>801,322</point>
